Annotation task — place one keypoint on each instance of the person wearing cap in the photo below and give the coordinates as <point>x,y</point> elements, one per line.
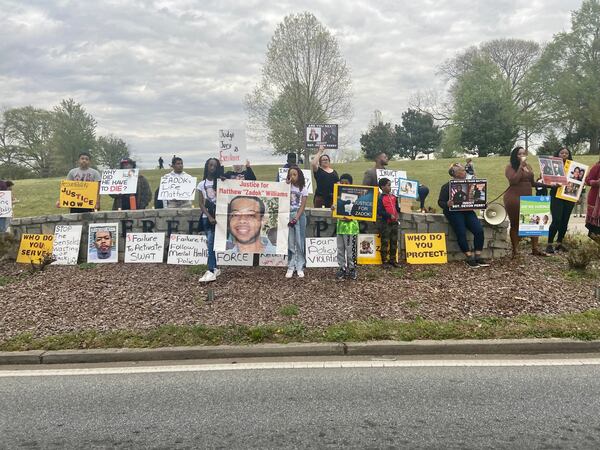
<point>143,193</point>
<point>291,161</point>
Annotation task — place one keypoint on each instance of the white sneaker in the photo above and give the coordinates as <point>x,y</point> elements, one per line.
<point>289,273</point>
<point>207,277</point>
<point>300,274</point>
<point>217,272</point>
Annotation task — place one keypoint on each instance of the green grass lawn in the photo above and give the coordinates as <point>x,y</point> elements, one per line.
<point>38,196</point>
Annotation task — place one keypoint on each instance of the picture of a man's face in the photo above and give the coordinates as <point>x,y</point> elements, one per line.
<point>245,220</point>
<point>103,244</point>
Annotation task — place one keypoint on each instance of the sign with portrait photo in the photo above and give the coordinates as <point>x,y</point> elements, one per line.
<point>552,170</point>
<point>6,207</point>
<point>252,217</point>
<point>575,172</point>
<point>67,239</point>
<point>321,134</point>
<point>103,243</point>
<point>355,202</point>
<point>468,194</point>
<point>232,147</point>
<point>407,189</point>
<point>119,181</point>
<point>534,215</point>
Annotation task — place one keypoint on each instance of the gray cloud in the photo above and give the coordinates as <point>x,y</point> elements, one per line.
<point>166,75</point>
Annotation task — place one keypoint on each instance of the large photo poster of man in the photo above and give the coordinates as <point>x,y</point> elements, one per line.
<point>252,217</point>
<point>552,169</point>
<point>535,217</point>
<point>103,243</point>
<point>468,194</point>
<point>355,202</point>
<point>321,134</point>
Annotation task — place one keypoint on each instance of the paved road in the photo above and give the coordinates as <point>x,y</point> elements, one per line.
<point>406,407</point>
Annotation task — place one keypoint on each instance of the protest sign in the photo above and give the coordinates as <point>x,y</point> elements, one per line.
<point>552,169</point>
<point>252,217</point>
<point>175,186</point>
<point>321,134</point>
<point>575,173</point>
<point>426,248</point>
<point>119,181</point>
<point>66,244</point>
<point>307,177</point>
<point>144,247</point>
<point>78,194</point>
<point>234,259</point>
<point>34,248</point>
<point>407,188</point>
<point>6,209</point>
<point>368,249</point>
<point>393,175</point>
<point>535,216</point>
<point>272,260</point>
<point>103,243</point>
<point>321,252</point>
<point>355,202</point>
<point>468,194</point>
<point>232,147</point>
<point>187,249</point>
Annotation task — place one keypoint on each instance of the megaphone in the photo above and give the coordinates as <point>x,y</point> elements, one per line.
<point>494,214</point>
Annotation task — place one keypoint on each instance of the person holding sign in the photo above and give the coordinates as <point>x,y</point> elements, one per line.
<point>143,193</point>
<point>207,193</point>
<point>177,165</point>
<point>463,220</point>
<point>239,173</point>
<point>325,178</point>
<point>388,212</point>
<point>592,217</point>
<point>297,224</point>
<point>7,187</point>
<point>84,173</point>
<point>347,231</point>
<point>560,210</point>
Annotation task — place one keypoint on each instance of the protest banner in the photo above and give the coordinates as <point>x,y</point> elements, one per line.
<point>407,188</point>
<point>468,194</point>
<point>175,186</point>
<point>368,249</point>
<point>144,247</point>
<point>66,244</point>
<point>272,260</point>
<point>235,259</point>
<point>535,217</point>
<point>103,243</point>
<point>78,194</point>
<point>6,208</point>
<point>119,181</point>
<point>552,169</point>
<point>187,249</point>
<point>35,248</point>
<point>355,202</point>
<point>393,175</point>
<point>307,177</point>
<point>321,134</point>
<point>575,173</point>
<point>321,252</point>
<point>232,147</point>
<point>426,248</point>
<point>252,217</point>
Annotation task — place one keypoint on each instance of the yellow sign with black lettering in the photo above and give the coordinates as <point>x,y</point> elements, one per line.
<point>78,194</point>
<point>426,248</point>
<point>34,248</point>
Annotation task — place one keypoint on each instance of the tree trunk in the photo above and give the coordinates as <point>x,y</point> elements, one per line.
<point>594,141</point>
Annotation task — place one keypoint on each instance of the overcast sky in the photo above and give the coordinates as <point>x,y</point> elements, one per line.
<point>166,75</point>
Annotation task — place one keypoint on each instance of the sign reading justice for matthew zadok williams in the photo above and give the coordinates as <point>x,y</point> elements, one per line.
<point>78,194</point>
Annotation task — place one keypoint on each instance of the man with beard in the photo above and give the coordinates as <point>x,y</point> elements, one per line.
<point>103,242</point>
<point>246,217</point>
<point>370,177</point>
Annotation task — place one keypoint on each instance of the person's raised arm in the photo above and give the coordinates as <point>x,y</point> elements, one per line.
<point>314,162</point>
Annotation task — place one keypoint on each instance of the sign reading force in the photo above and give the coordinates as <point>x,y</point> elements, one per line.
<point>426,248</point>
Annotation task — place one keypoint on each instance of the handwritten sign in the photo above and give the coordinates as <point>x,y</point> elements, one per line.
<point>175,186</point>
<point>119,181</point>
<point>273,260</point>
<point>6,209</point>
<point>283,171</point>
<point>232,146</point>
<point>393,175</point>
<point>426,248</point>
<point>235,259</point>
<point>34,248</point>
<point>321,252</point>
<point>78,194</point>
<point>187,249</point>
<point>144,247</point>
<point>66,244</point>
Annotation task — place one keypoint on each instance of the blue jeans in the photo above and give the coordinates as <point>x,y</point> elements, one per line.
<point>210,238</point>
<point>461,221</point>
<point>3,224</point>
<point>296,241</point>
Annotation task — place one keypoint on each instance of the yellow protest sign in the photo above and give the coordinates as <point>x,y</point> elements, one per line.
<point>78,194</point>
<point>426,248</point>
<point>34,247</point>
<point>368,249</point>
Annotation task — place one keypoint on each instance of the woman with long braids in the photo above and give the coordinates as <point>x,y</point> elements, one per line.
<point>207,192</point>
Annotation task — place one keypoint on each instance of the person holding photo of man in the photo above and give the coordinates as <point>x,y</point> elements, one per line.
<point>560,209</point>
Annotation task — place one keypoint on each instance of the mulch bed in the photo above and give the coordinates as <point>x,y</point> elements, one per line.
<point>138,297</point>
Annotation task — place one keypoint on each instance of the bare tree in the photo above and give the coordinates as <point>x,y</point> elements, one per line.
<point>304,79</point>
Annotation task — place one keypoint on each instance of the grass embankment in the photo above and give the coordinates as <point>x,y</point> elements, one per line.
<point>38,196</point>
<point>584,326</point>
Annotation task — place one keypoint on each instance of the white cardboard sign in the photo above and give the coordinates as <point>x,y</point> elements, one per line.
<point>307,177</point>
<point>119,181</point>
<point>6,209</point>
<point>321,252</point>
<point>232,146</point>
<point>177,187</point>
<point>144,247</point>
<point>67,239</point>
<point>187,249</point>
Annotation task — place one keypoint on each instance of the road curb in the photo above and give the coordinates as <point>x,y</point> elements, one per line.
<point>374,348</point>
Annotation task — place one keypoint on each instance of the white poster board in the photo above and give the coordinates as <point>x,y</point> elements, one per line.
<point>321,252</point>
<point>307,177</point>
<point>6,209</point>
<point>232,147</point>
<point>144,247</point>
<point>119,181</point>
<point>235,259</point>
<point>177,187</point>
<point>187,249</point>
<point>66,244</point>
<point>392,175</point>
<point>103,243</point>
<point>273,260</point>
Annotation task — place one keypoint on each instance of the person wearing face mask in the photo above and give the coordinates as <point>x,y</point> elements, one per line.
<point>325,177</point>
<point>463,220</point>
<point>560,209</point>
